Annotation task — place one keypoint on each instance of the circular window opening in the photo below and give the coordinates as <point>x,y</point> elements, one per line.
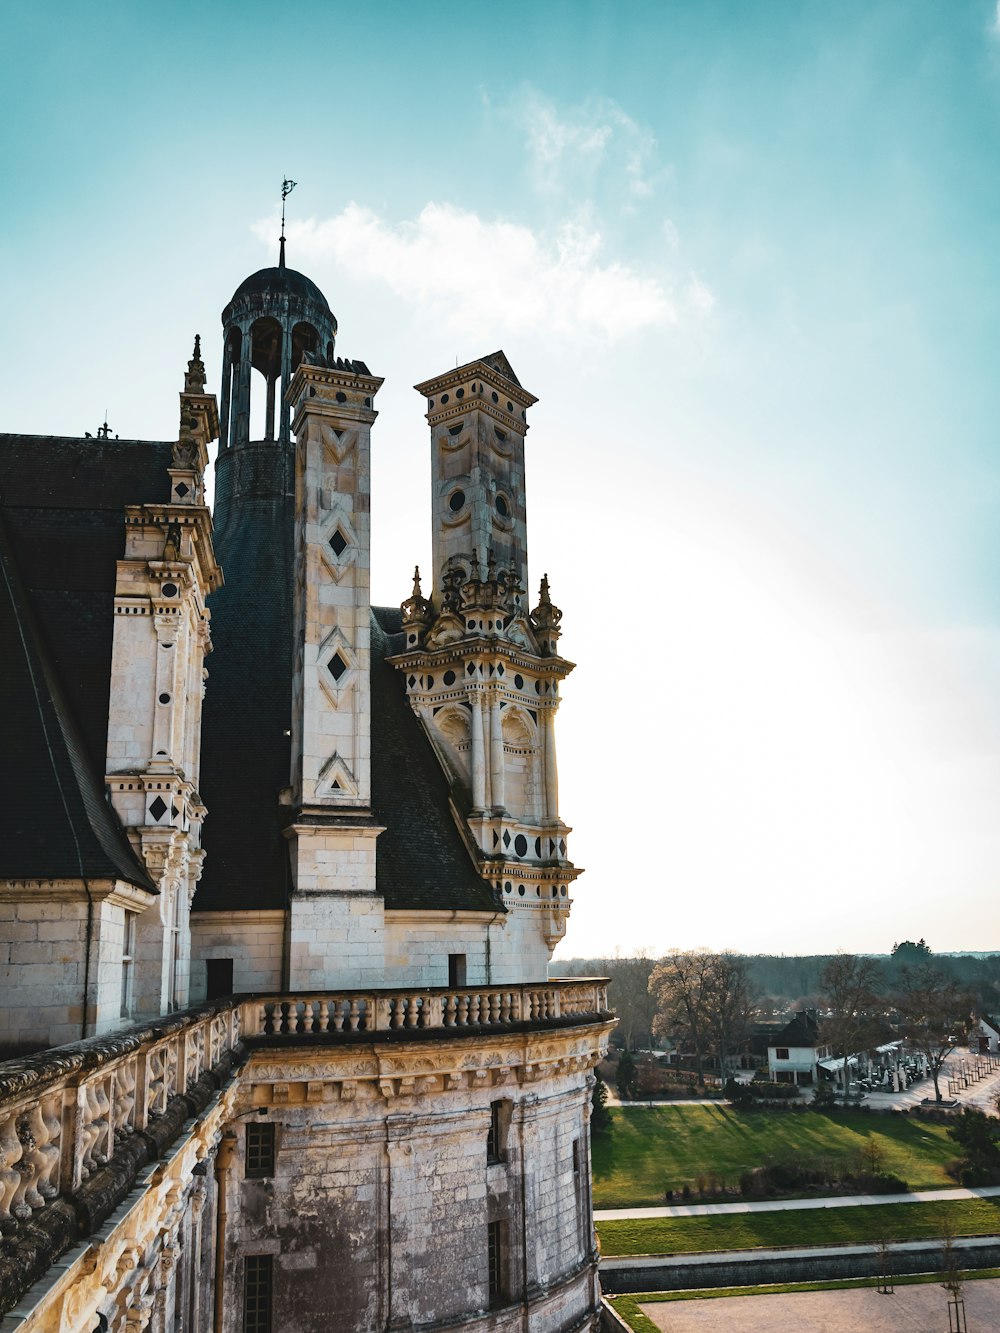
<point>519,682</point>
<point>507,887</point>
<point>444,398</point>
<point>495,398</point>
<point>170,590</point>
<point>503,508</point>
<point>341,397</point>
<point>510,407</point>
<point>449,677</point>
<point>520,889</point>
<point>164,698</point>
<point>457,501</point>
<point>563,891</point>
<point>168,645</point>
<point>459,393</point>
<point>520,844</point>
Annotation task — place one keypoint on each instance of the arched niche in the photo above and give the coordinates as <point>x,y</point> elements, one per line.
<point>304,339</point>
<point>455,730</point>
<point>522,787</point>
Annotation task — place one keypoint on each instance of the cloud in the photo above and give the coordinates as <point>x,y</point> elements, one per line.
<point>476,275</point>
<point>596,138</point>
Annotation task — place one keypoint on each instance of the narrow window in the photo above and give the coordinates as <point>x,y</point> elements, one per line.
<point>495,1249</point>
<point>220,978</point>
<point>260,1149</point>
<point>576,1157</point>
<point>257,1283</point>
<point>496,1142</point>
<point>128,959</point>
<point>456,969</point>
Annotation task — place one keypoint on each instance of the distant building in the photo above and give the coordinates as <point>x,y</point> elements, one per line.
<point>794,1053</point>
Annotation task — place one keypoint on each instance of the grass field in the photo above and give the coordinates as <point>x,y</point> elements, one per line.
<point>820,1226</point>
<point>649,1150</point>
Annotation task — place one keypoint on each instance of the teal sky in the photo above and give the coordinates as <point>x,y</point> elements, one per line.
<point>746,255</point>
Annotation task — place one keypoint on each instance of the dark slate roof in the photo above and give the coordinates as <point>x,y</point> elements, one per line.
<point>247,714</point>
<point>65,501</point>
<point>270,282</point>
<point>802,1030</point>
<point>55,821</point>
<point>421,859</point>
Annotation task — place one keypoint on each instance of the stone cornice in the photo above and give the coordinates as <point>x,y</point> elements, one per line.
<point>490,646</point>
<point>478,369</point>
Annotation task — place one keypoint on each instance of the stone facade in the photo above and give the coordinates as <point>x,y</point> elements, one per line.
<point>379,1119</point>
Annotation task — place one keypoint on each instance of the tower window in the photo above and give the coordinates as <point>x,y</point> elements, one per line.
<point>456,969</point>
<point>495,1247</point>
<point>496,1142</point>
<point>456,501</point>
<point>219,975</point>
<point>259,1150</point>
<point>258,1282</point>
<point>503,508</point>
<point>338,542</point>
<point>128,958</point>
<point>337,666</point>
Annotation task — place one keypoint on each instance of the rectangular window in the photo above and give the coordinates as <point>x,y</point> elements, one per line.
<point>260,1149</point>
<point>258,1272</point>
<point>220,978</point>
<point>128,959</point>
<point>496,1142</point>
<point>781,1053</point>
<point>495,1248</point>
<point>576,1157</point>
<point>456,969</point>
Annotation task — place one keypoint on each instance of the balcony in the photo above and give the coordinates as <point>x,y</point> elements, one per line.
<point>80,1124</point>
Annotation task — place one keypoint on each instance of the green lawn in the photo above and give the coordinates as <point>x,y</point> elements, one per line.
<point>820,1226</point>
<point>651,1149</point>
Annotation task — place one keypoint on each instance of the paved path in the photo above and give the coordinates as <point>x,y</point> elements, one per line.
<point>912,1309</point>
<point>792,1205</point>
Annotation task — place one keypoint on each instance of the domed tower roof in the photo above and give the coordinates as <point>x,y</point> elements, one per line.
<point>278,291</point>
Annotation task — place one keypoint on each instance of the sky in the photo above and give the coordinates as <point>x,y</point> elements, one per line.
<point>745,253</point>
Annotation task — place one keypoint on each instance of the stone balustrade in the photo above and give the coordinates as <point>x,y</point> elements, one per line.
<point>434,1008</point>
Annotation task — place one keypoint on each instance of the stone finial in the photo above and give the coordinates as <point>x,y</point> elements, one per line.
<point>546,617</point>
<point>194,379</point>
<point>417,610</point>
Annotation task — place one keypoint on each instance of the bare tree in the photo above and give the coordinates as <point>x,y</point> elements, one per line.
<point>851,995</point>
<point>680,985</point>
<point>633,1003</point>
<point>727,1004</point>
<point>936,1014</point>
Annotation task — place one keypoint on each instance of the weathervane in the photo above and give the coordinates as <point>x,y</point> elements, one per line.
<point>287,187</point>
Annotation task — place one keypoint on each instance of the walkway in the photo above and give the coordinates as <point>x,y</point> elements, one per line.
<point>782,1205</point>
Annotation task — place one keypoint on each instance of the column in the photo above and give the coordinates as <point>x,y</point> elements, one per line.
<point>286,379</point>
<point>227,394</point>
<point>478,757</point>
<point>551,772</point>
<point>241,417</point>
<point>496,754</point>
<point>269,410</point>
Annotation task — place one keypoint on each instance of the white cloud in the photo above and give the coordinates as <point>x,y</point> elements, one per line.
<point>595,137</point>
<point>479,276</point>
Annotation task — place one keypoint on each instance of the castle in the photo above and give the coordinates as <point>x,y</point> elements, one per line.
<point>281,872</point>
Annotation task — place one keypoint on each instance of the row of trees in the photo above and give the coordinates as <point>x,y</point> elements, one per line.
<point>704,1000</point>
<point>927,1007</point>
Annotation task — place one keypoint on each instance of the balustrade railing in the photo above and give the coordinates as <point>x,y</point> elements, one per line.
<point>467,1007</point>
<point>66,1113</point>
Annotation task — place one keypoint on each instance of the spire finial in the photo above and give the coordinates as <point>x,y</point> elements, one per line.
<point>416,581</point>
<point>194,380</point>
<point>287,186</point>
